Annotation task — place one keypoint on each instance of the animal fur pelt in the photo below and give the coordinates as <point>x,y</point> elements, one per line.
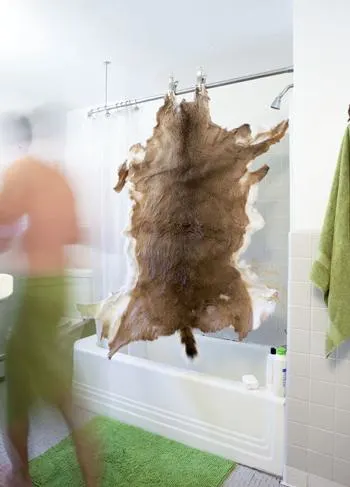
<point>191,220</point>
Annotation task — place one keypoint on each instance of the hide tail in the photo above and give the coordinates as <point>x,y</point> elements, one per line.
<point>187,339</point>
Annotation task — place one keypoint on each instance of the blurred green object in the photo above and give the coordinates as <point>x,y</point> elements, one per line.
<point>70,329</point>
<point>132,457</point>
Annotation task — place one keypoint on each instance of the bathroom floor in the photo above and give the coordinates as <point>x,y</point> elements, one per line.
<point>47,429</point>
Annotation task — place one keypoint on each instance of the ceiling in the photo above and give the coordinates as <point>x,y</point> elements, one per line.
<point>53,50</point>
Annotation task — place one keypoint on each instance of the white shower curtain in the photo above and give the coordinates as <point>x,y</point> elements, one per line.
<point>95,149</point>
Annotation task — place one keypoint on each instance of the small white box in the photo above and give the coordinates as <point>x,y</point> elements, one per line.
<point>251,382</point>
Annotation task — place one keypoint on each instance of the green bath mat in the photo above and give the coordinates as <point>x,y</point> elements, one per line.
<point>132,458</point>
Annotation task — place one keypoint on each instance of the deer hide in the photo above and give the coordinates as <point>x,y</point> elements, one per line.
<point>192,218</point>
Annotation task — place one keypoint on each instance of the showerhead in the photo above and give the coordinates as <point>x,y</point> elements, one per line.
<point>276,104</point>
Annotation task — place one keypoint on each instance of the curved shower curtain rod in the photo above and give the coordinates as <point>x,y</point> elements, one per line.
<point>173,84</point>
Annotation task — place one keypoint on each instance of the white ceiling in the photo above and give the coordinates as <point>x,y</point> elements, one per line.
<point>53,50</point>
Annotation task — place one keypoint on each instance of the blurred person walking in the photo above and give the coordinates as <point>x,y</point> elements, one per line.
<point>38,365</point>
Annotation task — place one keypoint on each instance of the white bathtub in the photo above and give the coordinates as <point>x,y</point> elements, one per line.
<point>202,404</point>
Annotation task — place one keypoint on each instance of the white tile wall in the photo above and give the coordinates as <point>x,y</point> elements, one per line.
<point>322,393</point>
<point>320,465</point>
<point>341,472</point>
<point>321,441</point>
<point>297,457</point>
<point>298,434</point>
<point>298,411</point>
<point>321,417</point>
<point>298,364</point>
<point>300,293</point>
<point>299,341</point>
<point>300,317</point>
<point>299,387</point>
<point>294,477</point>
<point>318,389</point>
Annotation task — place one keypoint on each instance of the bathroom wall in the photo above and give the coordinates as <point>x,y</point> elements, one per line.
<point>318,401</point>
<point>321,100</point>
<point>95,148</point>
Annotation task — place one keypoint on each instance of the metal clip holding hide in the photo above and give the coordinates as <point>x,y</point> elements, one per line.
<point>201,79</point>
<point>172,85</point>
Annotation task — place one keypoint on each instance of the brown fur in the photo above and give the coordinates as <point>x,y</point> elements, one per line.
<point>122,176</point>
<point>189,220</point>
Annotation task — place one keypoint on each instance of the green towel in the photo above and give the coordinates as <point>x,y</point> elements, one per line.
<point>331,271</point>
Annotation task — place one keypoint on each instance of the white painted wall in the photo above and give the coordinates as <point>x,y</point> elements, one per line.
<point>318,417</point>
<point>54,50</point>
<point>321,99</point>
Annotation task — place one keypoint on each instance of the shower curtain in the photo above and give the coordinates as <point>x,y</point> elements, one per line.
<point>95,149</point>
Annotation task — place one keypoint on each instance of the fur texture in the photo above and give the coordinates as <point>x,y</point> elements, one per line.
<point>192,218</point>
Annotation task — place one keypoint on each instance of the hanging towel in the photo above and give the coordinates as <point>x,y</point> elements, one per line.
<point>331,271</point>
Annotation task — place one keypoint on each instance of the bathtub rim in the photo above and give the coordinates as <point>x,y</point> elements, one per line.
<point>167,369</point>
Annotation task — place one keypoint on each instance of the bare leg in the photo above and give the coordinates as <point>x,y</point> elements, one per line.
<point>86,452</point>
<point>17,450</point>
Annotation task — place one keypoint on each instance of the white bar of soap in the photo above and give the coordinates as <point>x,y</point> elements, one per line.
<point>251,382</point>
